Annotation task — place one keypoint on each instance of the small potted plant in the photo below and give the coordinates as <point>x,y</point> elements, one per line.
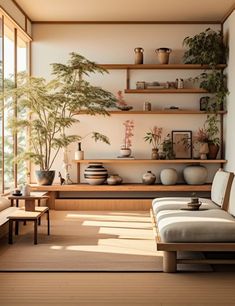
<point>202,138</point>
<point>125,150</point>
<point>167,148</point>
<point>154,138</point>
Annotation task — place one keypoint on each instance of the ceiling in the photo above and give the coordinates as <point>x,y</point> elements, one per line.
<point>126,10</point>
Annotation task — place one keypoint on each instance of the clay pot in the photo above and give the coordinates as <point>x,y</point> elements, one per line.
<point>163,55</point>
<point>149,178</point>
<point>168,176</point>
<point>114,179</point>
<point>155,154</point>
<point>195,174</point>
<point>213,151</point>
<point>139,55</point>
<point>45,177</point>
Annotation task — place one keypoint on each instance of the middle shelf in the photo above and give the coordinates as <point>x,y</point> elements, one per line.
<point>152,161</point>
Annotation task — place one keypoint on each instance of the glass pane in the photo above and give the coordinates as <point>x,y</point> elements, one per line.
<point>8,110</point>
<point>22,50</point>
<point>1,103</point>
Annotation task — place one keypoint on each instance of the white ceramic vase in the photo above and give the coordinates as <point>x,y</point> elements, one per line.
<point>195,174</point>
<point>168,176</point>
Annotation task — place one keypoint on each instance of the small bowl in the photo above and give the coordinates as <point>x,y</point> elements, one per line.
<point>194,206</point>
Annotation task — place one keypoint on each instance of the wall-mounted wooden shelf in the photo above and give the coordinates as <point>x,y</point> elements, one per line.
<point>152,161</point>
<point>166,91</point>
<point>158,66</point>
<point>158,112</point>
<point>123,187</point>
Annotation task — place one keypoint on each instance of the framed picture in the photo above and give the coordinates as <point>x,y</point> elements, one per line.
<point>182,144</point>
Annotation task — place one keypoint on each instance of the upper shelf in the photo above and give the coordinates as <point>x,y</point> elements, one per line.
<point>167,91</point>
<point>152,161</point>
<point>157,112</point>
<point>160,66</point>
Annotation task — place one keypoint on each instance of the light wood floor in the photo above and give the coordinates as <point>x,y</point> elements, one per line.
<point>182,289</point>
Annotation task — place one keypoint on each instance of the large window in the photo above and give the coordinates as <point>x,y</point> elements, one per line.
<point>14,59</point>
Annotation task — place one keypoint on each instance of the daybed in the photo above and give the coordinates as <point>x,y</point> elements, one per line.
<point>212,228</point>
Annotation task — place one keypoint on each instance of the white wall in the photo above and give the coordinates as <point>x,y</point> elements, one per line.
<point>115,44</point>
<point>229,33</point>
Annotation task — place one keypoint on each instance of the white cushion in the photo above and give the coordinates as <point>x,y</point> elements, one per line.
<point>221,187</point>
<point>179,202</point>
<point>4,203</point>
<point>213,225</point>
<point>231,206</point>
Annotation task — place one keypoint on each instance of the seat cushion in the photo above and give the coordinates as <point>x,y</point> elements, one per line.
<point>5,213</point>
<point>4,203</point>
<point>179,202</point>
<point>214,225</point>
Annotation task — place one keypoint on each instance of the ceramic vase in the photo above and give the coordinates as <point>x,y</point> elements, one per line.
<point>163,55</point>
<point>203,150</point>
<point>168,176</point>
<point>195,174</point>
<point>79,154</point>
<point>95,174</point>
<point>139,56</point>
<point>149,178</point>
<point>213,151</point>
<point>45,177</point>
<point>114,179</point>
<point>155,154</point>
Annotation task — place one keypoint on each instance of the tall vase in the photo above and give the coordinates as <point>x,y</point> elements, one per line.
<point>163,55</point>
<point>213,151</point>
<point>139,55</point>
<point>79,154</point>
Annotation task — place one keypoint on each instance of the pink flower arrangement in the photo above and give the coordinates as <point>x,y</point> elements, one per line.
<point>129,127</point>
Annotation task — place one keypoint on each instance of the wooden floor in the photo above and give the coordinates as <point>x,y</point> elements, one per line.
<point>182,289</point>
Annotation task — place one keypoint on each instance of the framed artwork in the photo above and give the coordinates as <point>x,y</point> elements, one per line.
<point>182,144</point>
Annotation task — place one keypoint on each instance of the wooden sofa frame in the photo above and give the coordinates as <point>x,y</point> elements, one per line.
<point>170,259</point>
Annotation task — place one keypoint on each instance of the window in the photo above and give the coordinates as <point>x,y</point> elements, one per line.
<point>14,46</point>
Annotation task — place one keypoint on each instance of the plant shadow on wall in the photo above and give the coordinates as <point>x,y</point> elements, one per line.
<point>52,108</point>
<point>208,48</point>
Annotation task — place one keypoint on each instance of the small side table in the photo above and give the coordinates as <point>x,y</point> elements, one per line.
<point>29,200</point>
<point>22,215</point>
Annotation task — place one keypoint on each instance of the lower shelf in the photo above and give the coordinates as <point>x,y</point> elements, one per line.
<point>123,187</point>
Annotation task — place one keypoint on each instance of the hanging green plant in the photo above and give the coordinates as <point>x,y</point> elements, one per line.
<point>205,48</point>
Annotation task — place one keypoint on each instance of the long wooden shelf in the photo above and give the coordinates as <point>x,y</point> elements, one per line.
<point>166,91</point>
<point>123,187</point>
<point>152,161</point>
<point>158,112</point>
<point>159,66</point>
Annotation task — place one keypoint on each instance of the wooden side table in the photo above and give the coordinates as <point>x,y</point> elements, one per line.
<point>21,215</point>
<point>29,200</point>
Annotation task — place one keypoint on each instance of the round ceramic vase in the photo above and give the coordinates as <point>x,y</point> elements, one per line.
<point>95,174</point>
<point>195,175</point>
<point>168,176</point>
<point>149,178</point>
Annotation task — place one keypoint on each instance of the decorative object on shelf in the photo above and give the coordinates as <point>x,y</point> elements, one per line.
<point>57,101</point>
<point>17,192</point>
<point>25,189</point>
<point>157,85</point>
<point>195,174</point>
<point>204,103</point>
<point>163,55</point>
<point>125,150</point>
<point>121,103</point>
<point>203,150</point>
<point>79,154</point>
<point>147,106</point>
<point>62,180</point>
<point>149,178</point>
<point>139,55</point>
<point>205,48</point>
<point>168,176</point>
<point>179,83</point>
<point>154,138</point>
<point>114,179</point>
<point>182,144</point>
<point>167,148</point>
<point>95,174</point>
<point>66,166</point>
<point>140,85</point>
<point>213,150</point>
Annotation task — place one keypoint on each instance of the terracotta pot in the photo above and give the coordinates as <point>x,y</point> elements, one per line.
<point>213,151</point>
<point>155,154</point>
<point>163,55</point>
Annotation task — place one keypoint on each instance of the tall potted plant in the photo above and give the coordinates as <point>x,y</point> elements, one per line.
<point>53,107</point>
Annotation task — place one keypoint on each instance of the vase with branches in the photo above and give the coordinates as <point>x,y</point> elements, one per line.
<point>154,138</point>
<point>125,150</point>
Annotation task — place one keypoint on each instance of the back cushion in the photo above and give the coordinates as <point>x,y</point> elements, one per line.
<point>231,207</point>
<point>4,203</point>
<point>221,186</point>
